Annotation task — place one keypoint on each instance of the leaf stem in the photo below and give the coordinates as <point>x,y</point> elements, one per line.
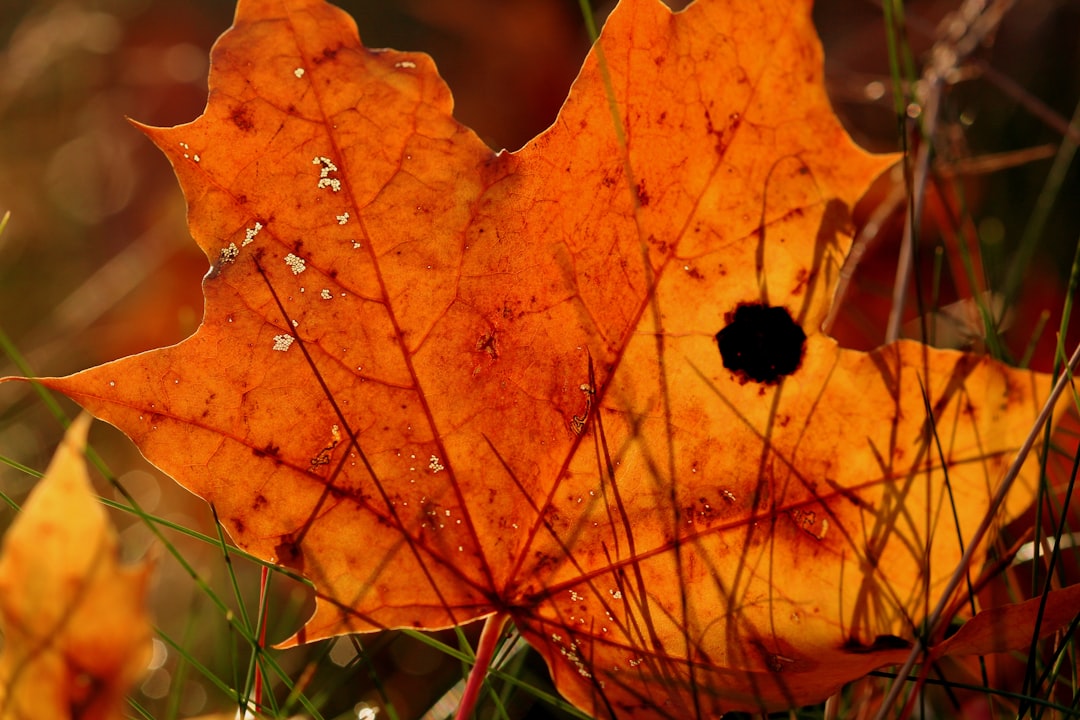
<point>485,650</point>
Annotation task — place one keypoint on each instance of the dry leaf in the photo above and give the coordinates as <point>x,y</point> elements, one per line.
<point>582,384</point>
<point>1010,627</point>
<point>76,631</point>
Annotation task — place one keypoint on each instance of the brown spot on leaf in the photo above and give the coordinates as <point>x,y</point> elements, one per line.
<point>269,450</point>
<point>241,118</point>
<point>288,553</point>
<point>642,194</point>
<point>486,343</point>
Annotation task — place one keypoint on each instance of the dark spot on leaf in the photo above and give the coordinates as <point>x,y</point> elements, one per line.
<point>288,553</point>
<point>761,343</point>
<point>486,343</point>
<point>260,502</point>
<point>701,513</point>
<point>238,526</point>
<point>801,279</point>
<point>881,642</point>
<point>241,118</point>
<point>269,450</point>
<point>642,195</point>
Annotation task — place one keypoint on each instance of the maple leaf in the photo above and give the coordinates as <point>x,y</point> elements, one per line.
<point>76,632</point>
<point>582,385</point>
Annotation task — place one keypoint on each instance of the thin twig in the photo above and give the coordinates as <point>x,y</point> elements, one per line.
<point>960,34</point>
<point>1036,107</point>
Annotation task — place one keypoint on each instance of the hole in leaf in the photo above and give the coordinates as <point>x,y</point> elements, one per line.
<point>761,343</point>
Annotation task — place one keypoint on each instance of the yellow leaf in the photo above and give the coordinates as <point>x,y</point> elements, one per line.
<point>76,632</point>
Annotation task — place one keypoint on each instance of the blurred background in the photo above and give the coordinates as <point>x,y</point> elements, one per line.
<point>96,262</point>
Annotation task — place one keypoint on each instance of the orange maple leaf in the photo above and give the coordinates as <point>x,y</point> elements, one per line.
<point>76,631</point>
<point>583,384</point>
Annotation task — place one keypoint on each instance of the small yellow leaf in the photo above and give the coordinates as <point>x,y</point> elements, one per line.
<point>76,631</point>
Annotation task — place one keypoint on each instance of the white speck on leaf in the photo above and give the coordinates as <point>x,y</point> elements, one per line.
<point>283,342</point>
<point>298,72</point>
<point>250,233</point>
<point>326,294</point>
<point>434,465</point>
<point>343,218</point>
<point>228,254</point>
<point>295,263</point>
<point>409,64</point>
<point>328,167</point>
